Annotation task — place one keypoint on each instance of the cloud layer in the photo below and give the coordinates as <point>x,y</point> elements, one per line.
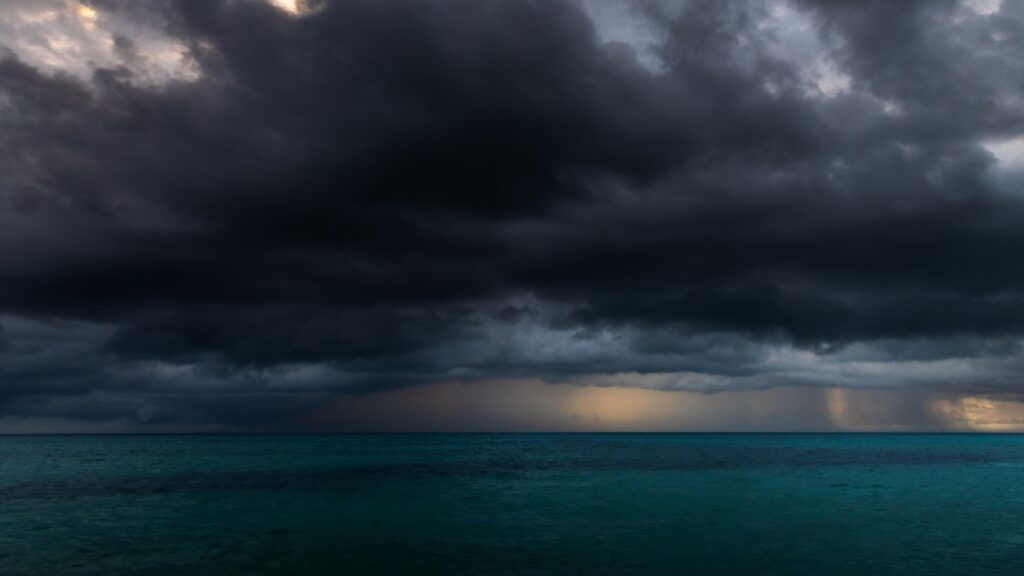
<point>219,213</point>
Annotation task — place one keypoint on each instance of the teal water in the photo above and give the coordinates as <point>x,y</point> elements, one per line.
<point>510,504</point>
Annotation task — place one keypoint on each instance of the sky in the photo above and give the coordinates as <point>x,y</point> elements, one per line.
<point>510,215</point>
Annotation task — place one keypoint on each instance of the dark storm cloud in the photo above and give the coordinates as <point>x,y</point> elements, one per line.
<point>389,193</point>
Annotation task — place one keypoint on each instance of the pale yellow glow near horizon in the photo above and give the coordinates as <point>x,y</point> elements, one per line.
<point>534,405</point>
<point>887,409</point>
<point>618,407</point>
<point>982,414</point>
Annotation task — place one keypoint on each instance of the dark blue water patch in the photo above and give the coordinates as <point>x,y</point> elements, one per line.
<point>522,456</point>
<point>513,504</point>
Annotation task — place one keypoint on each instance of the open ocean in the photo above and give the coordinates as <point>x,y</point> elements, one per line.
<point>513,503</point>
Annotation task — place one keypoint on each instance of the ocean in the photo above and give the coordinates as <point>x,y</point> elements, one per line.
<point>815,504</point>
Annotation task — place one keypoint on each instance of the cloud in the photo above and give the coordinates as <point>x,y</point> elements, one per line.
<point>78,38</point>
<point>212,205</point>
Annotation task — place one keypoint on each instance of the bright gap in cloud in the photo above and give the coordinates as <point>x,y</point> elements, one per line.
<point>984,7</point>
<point>294,7</point>
<point>624,23</point>
<point>87,14</point>
<point>78,38</point>
<point>794,36</point>
<point>1008,152</point>
<point>290,6</point>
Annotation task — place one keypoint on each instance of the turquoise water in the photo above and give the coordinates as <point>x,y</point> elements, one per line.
<point>531,503</point>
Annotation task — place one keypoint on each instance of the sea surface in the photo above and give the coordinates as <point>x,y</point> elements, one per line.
<point>858,504</point>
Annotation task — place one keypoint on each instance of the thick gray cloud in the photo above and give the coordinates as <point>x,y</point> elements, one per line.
<point>218,212</point>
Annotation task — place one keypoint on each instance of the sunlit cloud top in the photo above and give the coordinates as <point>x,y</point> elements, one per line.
<point>78,38</point>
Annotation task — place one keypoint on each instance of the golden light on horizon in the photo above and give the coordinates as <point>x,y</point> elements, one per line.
<point>535,405</point>
<point>618,407</point>
<point>982,414</point>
